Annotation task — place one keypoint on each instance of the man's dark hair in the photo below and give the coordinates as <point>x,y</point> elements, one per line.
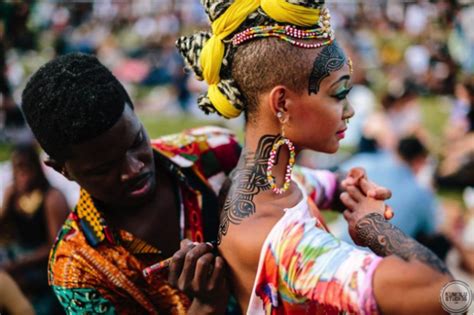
<point>411,148</point>
<point>70,100</point>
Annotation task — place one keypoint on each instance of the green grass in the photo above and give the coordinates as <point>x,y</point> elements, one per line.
<point>5,151</point>
<point>158,125</point>
<point>435,115</point>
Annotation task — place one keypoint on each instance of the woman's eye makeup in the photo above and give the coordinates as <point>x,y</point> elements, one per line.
<point>341,93</point>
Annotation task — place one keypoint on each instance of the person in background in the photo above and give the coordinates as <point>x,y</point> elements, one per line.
<point>417,206</point>
<point>34,212</point>
<point>456,169</point>
<point>12,300</point>
<point>419,213</point>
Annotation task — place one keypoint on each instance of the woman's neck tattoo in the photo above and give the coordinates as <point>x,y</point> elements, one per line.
<point>330,59</point>
<point>247,180</point>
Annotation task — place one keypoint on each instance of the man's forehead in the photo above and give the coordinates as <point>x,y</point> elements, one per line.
<point>113,141</point>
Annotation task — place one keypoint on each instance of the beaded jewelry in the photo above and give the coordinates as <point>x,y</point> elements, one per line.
<point>289,33</point>
<point>351,66</point>
<point>289,167</point>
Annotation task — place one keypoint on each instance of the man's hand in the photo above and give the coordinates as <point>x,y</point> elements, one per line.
<point>201,275</point>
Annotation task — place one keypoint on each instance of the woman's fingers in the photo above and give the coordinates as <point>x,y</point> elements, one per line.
<point>355,193</point>
<point>348,201</point>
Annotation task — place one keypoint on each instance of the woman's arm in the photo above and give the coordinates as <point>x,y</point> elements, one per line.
<point>7,195</point>
<point>324,187</point>
<point>56,211</point>
<point>410,278</point>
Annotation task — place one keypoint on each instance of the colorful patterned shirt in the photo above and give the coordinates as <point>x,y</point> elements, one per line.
<point>303,269</point>
<point>96,269</point>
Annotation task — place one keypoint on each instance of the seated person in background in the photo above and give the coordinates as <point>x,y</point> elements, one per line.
<point>12,300</point>
<point>138,201</point>
<point>33,211</point>
<point>277,61</point>
<point>456,169</point>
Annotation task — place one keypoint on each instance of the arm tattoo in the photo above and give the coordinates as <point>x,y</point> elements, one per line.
<point>385,239</point>
<point>330,59</point>
<point>247,180</point>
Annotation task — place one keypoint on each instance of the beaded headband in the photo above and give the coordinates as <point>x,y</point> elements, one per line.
<point>291,34</point>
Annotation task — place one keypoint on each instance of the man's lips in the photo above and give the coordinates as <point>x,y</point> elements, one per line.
<point>140,185</point>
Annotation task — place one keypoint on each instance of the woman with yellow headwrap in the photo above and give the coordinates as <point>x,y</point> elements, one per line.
<point>277,61</point>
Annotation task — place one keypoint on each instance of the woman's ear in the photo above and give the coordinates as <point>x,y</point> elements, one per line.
<point>278,101</point>
<point>58,167</point>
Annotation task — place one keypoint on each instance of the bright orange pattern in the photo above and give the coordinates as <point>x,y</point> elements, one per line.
<point>93,263</point>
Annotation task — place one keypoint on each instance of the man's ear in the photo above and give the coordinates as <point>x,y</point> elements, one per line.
<point>278,101</point>
<point>58,167</point>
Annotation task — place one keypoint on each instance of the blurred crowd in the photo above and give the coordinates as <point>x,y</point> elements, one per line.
<point>413,95</point>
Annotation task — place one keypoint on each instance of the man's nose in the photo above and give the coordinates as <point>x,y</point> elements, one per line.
<point>132,167</point>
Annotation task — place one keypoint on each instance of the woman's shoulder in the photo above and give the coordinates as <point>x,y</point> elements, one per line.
<point>53,194</point>
<point>55,202</point>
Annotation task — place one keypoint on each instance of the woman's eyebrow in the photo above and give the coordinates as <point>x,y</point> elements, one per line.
<point>344,77</point>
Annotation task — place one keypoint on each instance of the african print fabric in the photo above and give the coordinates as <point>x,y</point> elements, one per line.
<point>95,269</point>
<point>303,269</point>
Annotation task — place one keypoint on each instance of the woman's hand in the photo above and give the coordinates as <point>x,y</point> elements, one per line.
<point>358,206</point>
<point>357,177</point>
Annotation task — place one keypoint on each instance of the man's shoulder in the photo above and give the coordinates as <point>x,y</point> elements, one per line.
<point>215,136</point>
<point>208,145</point>
<point>65,259</point>
<point>69,237</point>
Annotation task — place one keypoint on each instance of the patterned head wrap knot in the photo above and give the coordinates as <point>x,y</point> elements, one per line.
<point>209,54</point>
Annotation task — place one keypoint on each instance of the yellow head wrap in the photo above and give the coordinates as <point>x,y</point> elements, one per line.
<point>214,49</point>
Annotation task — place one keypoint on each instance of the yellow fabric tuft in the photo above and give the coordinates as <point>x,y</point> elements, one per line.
<point>213,51</point>
<point>221,103</point>
<point>284,12</point>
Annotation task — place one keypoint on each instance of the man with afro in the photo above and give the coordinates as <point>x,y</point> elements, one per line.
<point>141,201</point>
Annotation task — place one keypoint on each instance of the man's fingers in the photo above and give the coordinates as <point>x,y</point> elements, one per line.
<point>201,275</point>
<point>187,274</point>
<point>176,266</point>
<point>177,262</point>
<point>218,274</point>
<point>185,243</point>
